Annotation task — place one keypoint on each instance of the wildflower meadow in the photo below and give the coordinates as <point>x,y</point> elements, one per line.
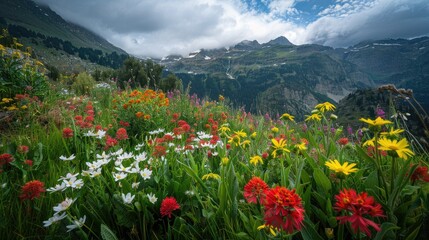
<point>146,164</point>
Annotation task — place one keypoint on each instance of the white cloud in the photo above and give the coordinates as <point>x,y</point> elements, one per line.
<point>159,28</point>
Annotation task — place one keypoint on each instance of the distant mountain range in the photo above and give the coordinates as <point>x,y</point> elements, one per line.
<point>70,47</point>
<point>278,76</point>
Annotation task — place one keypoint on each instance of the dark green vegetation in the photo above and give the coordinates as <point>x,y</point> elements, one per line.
<point>58,43</point>
<point>280,77</point>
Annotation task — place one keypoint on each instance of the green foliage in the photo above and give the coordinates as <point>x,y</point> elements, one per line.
<point>83,84</point>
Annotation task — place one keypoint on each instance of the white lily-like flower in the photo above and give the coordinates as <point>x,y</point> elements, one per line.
<point>100,134</point>
<point>128,199</point>
<point>146,173</point>
<point>64,205</point>
<point>119,176</point>
<point>67,158</point>
<point>90,134</point>
<point>76,223</point>
<point>152,198</point>
<point>57,188</point>
<point>54,219</point>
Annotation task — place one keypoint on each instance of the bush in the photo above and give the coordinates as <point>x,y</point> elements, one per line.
<point>83,84</point>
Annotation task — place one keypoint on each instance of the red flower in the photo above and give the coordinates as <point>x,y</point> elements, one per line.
<point>110,142</point>
<point>5,158</point>
<point>254,190</point>
<point>159,151</point>
<point>67,133</point>
<point>23,149</point>
<point>168,205</point>
<point>421,173</point>
<point>358,206</point>
<point>29,162</point>
<point>121,134</point>
<point>124,124</point>
<point>343,141</point>
<point>283,209</point>
<point>32,190</point>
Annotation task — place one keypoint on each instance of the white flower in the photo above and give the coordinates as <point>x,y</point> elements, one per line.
<point>119,152</point>
<point>90,134</point>
<point>190,193</point>
<point>100,134</point>
<point>146,173</point>
<point>67,158</point>
<point>152,198</point>
<point>141,157</point>
<point>68,176</point>
<point>73,183</point>
<point>121,168</point>
<point>128,199</point>
<point>119,176</point>
<point>139,146</point>
<point>54,219</point>
<point>57,188</point>
<point>64,205</point>
<point>135,185</point>
<point>93,165</point>
<point>125,156</point>
<point>77,223</point>
<point>4,185</point>
<point>103,155</point>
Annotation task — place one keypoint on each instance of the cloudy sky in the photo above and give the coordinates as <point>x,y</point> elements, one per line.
<point>157,28</point>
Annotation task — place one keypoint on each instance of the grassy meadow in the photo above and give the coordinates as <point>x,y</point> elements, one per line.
<point>111,163</point>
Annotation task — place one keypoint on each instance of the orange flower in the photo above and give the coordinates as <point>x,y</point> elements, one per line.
<point>254,190</point>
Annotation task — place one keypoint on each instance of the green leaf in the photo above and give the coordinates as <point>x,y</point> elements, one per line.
<point>386,227</point>
<point>308,232</point>
<point>322,180</point>
<point>106,233</point>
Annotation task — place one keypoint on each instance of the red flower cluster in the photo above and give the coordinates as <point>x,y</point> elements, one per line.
<point>67,133</point>
<point>359,206</point>
<point>254,190</point>
<point>343,141</point>
<point>421,173</point>
<point>283,209</point>
<point>121,134</point>
<point>168,205</point>
<point>5,158</point>
<point>32,190</point>
<point>23,149</point>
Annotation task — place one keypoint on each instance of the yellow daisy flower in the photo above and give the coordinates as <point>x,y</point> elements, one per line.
<point>287,116</point>
<point>392,132</point>
<point>345,168</point>
<point>314,117</point>
<point>324,107</point>
<point>279,147</point>
<point>255,160</point>
<point>210,175</point>
<point>401,147</point>
<point>377,122</point>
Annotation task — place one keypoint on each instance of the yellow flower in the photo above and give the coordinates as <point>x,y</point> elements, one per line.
<point>245,143</point>
<point>210,175</point>
<point>221,98</point>
<point>326,106</point>
<point>2,48</point>
<point>287,116</point>
<point>399,147</point>
<point>266,226</point>
<point>279,147</point>
<point>336,166</point>
<point>377,122</point>
<point>241,133</point>
<point>255,160</point>
<point>24,107</point>
<point>274,129</point>
<point>369,143</point>
<point>225,161</point>
<point>392,132</point>
<point>234,139</point>
<point>314,117</point>
<point>253,135</point>
<point>301,146</point>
